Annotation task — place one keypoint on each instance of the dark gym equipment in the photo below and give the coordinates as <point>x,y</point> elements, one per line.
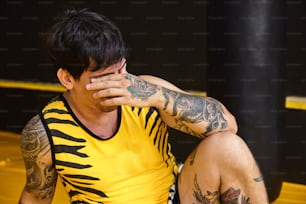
<point>246,63</point>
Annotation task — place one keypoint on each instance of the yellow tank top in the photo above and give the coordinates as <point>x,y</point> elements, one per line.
<point>134,166</point>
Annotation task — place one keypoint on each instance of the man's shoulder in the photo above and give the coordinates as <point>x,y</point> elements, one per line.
<point>34,127</point>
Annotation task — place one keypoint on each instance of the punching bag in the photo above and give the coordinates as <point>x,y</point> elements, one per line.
<point>246,57</point>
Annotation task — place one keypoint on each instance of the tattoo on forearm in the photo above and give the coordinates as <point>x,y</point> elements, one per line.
<point>41,178</point>
<point>141,89</point>
<point>182,127</point>
<point>194,109</point>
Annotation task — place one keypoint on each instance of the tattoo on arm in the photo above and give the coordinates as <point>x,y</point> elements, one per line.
<point>141,89</point>
<point>184,128</point>
<point>194,109</point>
<point>41,176</point>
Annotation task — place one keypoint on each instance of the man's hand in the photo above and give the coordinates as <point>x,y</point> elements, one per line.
<point>123,89</point>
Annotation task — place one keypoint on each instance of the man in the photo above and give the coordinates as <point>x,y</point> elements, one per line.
<point>106,136</point>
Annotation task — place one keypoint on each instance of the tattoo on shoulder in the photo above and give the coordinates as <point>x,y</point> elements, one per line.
<point>41,175</point>
<point>194,109</point>
<point>140,89</point>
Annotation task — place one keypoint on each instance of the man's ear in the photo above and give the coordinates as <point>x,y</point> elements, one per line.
<point>65,78</point>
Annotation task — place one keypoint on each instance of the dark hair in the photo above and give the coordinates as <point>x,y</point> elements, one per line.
<point>80,35</point>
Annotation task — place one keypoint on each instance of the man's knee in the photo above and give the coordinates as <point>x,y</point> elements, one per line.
<point>221,143</point>
<point>227,151</point>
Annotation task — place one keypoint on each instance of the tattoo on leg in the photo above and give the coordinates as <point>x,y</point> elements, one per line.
<point>258,179</point>
<point>192,156</point>
<point>245,200</point>
<point>231,196</point>
<point>141,89</point>
<point>209,198</point>
<point>195,109</point>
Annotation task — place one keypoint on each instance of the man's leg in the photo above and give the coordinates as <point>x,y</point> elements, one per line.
<point>221,170</point>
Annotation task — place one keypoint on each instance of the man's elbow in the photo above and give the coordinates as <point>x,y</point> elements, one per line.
<point>232,125</point>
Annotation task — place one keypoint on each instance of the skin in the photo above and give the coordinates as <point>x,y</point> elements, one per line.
<point>94,99</point>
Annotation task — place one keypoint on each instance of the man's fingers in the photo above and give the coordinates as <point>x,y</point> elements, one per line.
<point>107,77</point>
<point>107,93</point>
<point>107,85</point>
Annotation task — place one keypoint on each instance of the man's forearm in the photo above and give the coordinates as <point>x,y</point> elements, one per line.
<point>203,115</point>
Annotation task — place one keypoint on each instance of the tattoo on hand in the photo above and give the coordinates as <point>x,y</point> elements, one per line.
<point>140,89</point>
<point>194,109</point>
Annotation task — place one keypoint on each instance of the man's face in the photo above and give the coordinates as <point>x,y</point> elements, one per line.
<point>86,96</point>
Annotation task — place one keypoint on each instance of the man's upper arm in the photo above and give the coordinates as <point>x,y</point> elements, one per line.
<point>41,175</point>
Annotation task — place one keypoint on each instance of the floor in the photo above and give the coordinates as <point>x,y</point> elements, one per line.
<point>12,177</point>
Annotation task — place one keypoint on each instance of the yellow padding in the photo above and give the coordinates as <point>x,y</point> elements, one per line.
<point>292,193</point>
<point>296,102</point>
<point>54,87</point>
<point>197,93</point>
